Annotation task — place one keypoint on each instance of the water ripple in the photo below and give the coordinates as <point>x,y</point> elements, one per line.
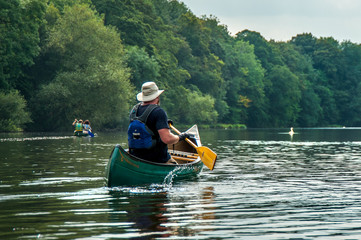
<point>260,189</point>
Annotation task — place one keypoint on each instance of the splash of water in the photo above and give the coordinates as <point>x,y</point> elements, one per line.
<point>168,180</point>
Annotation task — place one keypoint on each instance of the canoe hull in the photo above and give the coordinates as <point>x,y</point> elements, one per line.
<point>80,134</point>
<point>124,169</point>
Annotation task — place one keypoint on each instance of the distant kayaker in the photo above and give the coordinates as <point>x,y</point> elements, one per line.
<point>86,127</point>
<point>78,125</point>
<point>140,144</point>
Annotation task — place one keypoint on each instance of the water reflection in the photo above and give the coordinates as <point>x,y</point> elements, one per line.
<point>263,187</point>
<point>154,214</point>
<point>208,201</point>
<point>144,212</point>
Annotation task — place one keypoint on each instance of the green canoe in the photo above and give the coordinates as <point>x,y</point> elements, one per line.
<point>80,134</point>
<point>124,169</point>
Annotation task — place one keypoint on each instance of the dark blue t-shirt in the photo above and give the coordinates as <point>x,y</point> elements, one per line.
<point>156,120</point>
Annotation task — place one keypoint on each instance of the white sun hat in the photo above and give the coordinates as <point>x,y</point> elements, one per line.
<point>149,92</point>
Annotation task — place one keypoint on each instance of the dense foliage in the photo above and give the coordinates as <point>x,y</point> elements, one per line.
<point>66,59</point>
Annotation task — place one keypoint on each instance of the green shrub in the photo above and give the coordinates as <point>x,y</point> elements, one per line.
<point>13,115</point>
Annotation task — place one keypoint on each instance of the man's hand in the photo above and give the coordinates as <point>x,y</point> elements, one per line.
<point>183,136</point>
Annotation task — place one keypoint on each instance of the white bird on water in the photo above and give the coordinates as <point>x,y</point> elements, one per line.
<point>291,132</point>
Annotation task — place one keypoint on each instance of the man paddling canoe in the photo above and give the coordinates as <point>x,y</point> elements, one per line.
<point>148,132</point>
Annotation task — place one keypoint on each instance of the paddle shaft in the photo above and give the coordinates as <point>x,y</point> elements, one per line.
<point>90,133</point>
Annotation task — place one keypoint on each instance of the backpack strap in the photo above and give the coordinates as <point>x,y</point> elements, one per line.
<point>147,112</point>
<point>143,118</point>
<point>133,113</point>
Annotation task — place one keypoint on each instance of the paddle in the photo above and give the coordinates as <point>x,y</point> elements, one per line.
<point>208,157</point>
<point>90,133</point>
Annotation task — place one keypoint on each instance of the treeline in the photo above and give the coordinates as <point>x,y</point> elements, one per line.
<point>66,59</point>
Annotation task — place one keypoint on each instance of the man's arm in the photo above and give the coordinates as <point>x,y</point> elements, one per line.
<point>167,137</point>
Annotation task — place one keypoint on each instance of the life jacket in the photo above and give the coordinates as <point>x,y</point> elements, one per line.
<point>86,127</point>
<point>139,135</point>
<point>78,127</point>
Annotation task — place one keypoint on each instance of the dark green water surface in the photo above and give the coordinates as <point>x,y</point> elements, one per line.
<point>266,185</point>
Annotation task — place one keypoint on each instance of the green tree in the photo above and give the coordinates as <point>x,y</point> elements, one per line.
<point>220,45</point>
<point>19,44</point>
<point>133,18</point>
<point>59,54</point>
<point>264,50</point>
<point>351,79</point>
<point>305,42</point>
<point>47,63</point>
<point>143,67</point>
<point>311,111</point>
<point>205,67</point>
<point>284,97</point>
<point>323,54</point>
<point>169,11</point>
<point>160,28</point>
<point>253,87</point>
<point>327,57</point>
<point>170,53</point>
<point>301,66</point>
<point>13,112</point>
<point>191,106</point>
<point>93,81</point>
<point>330,114</point>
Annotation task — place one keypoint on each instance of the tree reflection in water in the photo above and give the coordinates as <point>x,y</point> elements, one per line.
<point>162,214</point>
<point>144,212</point>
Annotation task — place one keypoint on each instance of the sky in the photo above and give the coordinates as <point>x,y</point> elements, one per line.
<point>281,20</point>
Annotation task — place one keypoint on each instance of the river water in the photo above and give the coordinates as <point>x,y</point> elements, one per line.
<point>266,185</point>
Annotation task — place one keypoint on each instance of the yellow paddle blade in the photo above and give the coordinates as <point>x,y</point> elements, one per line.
<point>207,156</point>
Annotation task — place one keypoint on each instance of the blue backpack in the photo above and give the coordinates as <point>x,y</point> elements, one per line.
<point>139,135</point>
